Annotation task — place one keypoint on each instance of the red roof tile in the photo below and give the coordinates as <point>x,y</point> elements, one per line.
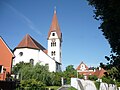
<point>99,73</point>
<point>29,42</point>
<point>55,26</point>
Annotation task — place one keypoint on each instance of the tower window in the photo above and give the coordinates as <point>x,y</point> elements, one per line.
<point>53,53</point>
<point>53,34</point>
<point>53,44</point>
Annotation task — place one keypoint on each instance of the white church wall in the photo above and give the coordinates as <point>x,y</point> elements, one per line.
<point>36,55</point>
<point>25,54</point>
<point>45,59</point>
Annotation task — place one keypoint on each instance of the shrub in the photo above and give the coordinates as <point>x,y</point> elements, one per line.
<point>97,84</point>
<point>92,77</point>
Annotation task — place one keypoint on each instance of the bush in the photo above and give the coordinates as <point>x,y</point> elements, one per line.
<point>108,80</point>
<point>31,84</point>
<point>92,77</point>
<point>97,84</point>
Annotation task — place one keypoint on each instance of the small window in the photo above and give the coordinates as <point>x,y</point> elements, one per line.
<point>53,53</point>
<point>53,34</point>
<point>21,53</point>
<point>53,44</point>
<point>31,61</point>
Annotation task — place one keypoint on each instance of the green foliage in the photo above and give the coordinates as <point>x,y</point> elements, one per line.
<point>71,88</point>
<point>31,84</point>
<point>108,80</point>
<point>118,84</point>
<point>38,73</point>
<point>68,73</point>
<point>92,77</point>
<point>53,87</point>
<point>97,84</point>
<point>80,76</point>
<point>108,11</point>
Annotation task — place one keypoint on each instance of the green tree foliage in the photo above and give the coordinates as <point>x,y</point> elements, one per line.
<point>31,84</point>
<point>108,11</point>
<point>69,72</point>
<point>38,73</point>
<point>92,77</point>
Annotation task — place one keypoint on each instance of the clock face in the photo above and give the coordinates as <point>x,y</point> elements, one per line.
<point>53,40</point>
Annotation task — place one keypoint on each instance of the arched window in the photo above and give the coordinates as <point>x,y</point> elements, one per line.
<point>53,44</point>
<point>53,53</point>
<point>31,61</point>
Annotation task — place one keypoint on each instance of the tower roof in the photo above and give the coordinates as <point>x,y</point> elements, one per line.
<point>55,26</point>
<point>29,42</point>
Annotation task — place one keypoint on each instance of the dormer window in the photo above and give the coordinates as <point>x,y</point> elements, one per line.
<point>53,34</point>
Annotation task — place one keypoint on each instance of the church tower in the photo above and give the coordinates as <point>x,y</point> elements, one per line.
<point>55,40</point>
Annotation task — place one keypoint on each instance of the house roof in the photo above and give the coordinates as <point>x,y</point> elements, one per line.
<point>2,41</point>
<point>99,73</point>
<point>55,26</point>
<point>29,42</point>
<point>78,68</point>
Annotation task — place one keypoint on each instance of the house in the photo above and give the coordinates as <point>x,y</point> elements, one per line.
<point>84,70</point>
<point>6,57</point>
<point>30,51</point>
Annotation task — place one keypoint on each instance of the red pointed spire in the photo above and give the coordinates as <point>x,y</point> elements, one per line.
<point>55,26</point>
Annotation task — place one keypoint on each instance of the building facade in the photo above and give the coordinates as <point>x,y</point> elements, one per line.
<point>29,50</point>
<point>86,71</point>
<point>6,57</point>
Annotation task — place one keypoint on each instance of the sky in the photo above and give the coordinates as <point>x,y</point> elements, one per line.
<point>82,40</point>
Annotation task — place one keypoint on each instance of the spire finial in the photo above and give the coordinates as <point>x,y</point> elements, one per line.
<point>55,9</point>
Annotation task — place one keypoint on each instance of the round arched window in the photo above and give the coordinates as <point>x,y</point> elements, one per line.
<point>31,61</point>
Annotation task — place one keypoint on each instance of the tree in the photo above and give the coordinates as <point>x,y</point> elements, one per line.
<point>69,72</point>
<point>108,11</point>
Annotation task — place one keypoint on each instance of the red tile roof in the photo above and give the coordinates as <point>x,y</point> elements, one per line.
<point>99,73</point>
<point>87,72</point>
<point>29,42</point>
<point>55,26</point>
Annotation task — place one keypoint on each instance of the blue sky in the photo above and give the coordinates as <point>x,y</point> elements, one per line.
<point>82,41</point>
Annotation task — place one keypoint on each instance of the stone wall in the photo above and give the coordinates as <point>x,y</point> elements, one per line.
<point>81,84</point>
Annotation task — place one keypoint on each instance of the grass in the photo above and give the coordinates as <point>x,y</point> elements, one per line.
<point>53,87</point>
<point>72,88</point>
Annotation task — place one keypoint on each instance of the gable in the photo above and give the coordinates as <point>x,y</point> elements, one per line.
<point>29,42</point>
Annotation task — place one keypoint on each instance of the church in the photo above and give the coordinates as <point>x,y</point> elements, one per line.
<point>30,51</point>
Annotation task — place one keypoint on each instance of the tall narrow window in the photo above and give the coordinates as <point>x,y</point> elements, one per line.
<point>53,44</point>
<point>31,61</point>
<point>53,53</point>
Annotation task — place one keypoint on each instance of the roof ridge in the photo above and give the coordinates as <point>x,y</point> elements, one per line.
<point>33,41</point>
